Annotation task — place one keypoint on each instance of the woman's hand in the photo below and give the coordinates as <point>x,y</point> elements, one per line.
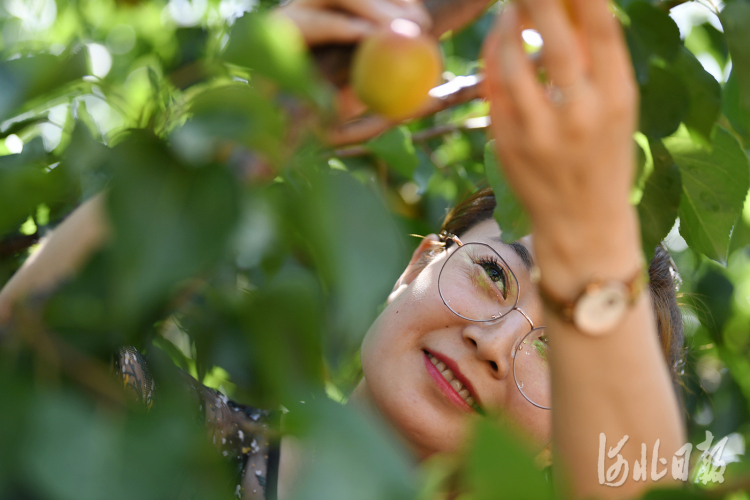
<point>348,21</point>
<point>567,147</point>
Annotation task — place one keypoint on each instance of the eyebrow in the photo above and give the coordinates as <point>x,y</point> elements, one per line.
<point>521,250</point>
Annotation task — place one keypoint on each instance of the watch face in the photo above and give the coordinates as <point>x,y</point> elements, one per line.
<point>600,309</point>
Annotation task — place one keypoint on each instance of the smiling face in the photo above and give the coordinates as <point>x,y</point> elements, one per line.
<point>417,330</point>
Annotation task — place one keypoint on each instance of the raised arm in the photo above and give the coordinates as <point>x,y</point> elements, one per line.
<point>568,152</point>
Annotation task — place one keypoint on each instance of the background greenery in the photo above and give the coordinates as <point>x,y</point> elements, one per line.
<point>249,254</point>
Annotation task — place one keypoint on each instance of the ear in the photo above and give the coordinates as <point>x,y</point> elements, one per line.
<point>416,264</point>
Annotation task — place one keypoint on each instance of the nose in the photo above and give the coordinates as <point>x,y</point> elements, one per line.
<point>494,342</point>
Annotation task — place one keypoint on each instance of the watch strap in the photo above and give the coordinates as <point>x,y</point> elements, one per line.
<point>565,309</point>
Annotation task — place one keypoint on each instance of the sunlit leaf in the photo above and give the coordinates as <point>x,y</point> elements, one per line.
<point>714,186</point>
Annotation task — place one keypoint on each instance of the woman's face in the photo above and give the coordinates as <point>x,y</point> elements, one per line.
<point>398,380</point>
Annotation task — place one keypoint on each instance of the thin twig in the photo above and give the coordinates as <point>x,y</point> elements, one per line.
<point>17,243</point>
<point>422,135</point>
<point>457,91</point>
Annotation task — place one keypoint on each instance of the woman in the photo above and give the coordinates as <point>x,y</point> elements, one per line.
<point>444,346</point>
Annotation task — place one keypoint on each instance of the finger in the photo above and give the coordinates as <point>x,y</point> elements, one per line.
<point>517,73</point>
<point>561,54</point>
<point>503,115</point>
<point>416,11</point>
<point>323,26</point>
<point>603,40</point>
<point>382,12</point>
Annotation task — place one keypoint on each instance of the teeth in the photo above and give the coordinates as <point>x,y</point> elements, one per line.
<point>451,379</point>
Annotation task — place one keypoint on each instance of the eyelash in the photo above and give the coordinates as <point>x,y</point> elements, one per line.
<point>496,264</point>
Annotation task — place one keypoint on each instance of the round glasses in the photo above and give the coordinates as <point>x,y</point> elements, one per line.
<point>477,284</point>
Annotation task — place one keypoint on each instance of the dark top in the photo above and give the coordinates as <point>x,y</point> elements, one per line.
<point>241,433</point>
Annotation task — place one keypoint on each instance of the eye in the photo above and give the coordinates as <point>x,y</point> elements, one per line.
<point>496,274</point>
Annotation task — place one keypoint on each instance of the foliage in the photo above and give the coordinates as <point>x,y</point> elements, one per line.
<point>250,254</point>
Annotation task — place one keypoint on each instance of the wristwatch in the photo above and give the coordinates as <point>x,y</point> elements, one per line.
<point>600,306</point>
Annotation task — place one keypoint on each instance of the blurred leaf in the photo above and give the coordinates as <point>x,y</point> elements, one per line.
<point>706,38</point>
<point>704,92</point>
<point>665,103</point>
<point>26,181</point>
<point>651,34</point>
<point>236,113</point>
<point>169,221</point>
<point>735,18</point>
<point>673,494</point>
<point>737,112</point>
<point>498,462</point>
<point>282,322</point>
<point>356,456</point>
<point>87,157</point>
<point>396,149</point>
<point>273,46</point>
<point>715,291</point>
<point>357,248</point>
<point>714,186</point>
<point>661,199</point>
<point>17,127</point>
<point>510,214</point>
<point>26,78</point>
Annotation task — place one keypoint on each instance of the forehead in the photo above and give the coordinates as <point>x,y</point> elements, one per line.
<point>489,232</point>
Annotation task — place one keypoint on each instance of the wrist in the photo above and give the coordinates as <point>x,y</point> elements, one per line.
<point>571,254</point>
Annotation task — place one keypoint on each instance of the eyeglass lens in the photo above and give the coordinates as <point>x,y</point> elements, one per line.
<point>531,368</point>
<point>477,284</point>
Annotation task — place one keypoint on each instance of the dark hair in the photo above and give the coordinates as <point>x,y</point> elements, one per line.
<point>662,272</point>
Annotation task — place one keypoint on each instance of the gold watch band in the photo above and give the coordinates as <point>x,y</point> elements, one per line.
<point>565,308</point>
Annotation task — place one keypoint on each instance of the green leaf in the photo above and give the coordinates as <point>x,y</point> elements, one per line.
<point>498,462</point>
<point>396,149</point>
<point>736,111</point>
<point>661,199</point>
<point>714,186</point>
<point>665,103</point>
<point>706,38</point>
<point>26,78</point>
<point>356,455</point>
<point>357,248</point>
<point>651,34</point>
<point>704,92</point>
<point>510,214</point>
<point>272,46</point>
<point>735,18</point>
<point>26,181</point>
<point>234,112</point>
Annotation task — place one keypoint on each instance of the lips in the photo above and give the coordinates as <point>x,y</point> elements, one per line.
<point>456,387</point>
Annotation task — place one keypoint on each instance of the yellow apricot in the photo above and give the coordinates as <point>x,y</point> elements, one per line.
<point>394,69</point>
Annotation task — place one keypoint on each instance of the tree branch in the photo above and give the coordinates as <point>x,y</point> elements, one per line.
<point>17,243</point>
<point>460,90</point>
<point>422,135</point>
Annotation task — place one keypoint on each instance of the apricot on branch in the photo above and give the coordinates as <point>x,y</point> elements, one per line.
<point>395,68</point>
